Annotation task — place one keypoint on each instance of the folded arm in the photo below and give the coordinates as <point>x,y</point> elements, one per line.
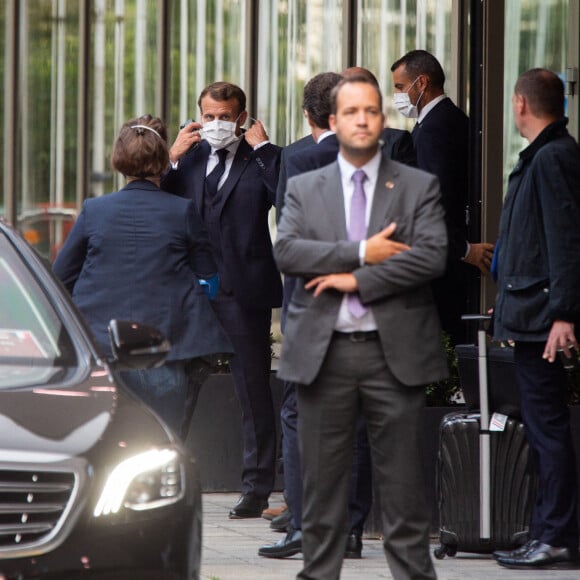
<point>390,267</point>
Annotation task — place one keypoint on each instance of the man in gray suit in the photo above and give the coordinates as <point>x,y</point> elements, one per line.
<point>362,332</point>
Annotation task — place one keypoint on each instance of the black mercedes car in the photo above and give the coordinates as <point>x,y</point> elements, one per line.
<point>92,484</point>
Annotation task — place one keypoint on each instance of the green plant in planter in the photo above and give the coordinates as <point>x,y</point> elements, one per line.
<point>446,392</point>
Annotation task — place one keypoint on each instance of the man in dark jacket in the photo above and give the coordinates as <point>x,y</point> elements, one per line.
<point>231,176</point>
<point>441,140</point>
<point>538,306</point>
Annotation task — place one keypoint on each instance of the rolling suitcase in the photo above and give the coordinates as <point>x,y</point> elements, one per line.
<point>503,391</point>
<point>485,480</point>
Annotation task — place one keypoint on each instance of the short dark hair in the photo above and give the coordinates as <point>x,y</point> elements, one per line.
<point>354,79</point>
<point>317,97</point>
<point>421,62</point>
<point>139,152</point>
<point>223,91</point>
<point>544,91</point>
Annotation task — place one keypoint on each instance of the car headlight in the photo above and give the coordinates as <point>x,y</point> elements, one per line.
<point>146,481</point>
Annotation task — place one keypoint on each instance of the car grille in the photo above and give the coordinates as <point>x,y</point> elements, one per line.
<point>33,505</point>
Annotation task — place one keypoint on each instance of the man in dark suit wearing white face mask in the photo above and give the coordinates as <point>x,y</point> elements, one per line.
<point>232,177</point>
<point>441,140</point>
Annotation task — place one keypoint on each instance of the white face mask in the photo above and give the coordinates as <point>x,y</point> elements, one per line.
<point>219,134</point>
<point>403,104</point>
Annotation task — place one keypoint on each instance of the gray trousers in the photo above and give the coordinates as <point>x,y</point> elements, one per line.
<point>355,377</point>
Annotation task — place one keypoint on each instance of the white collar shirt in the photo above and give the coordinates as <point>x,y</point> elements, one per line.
<point>429,107</point>
<point>213,160</point>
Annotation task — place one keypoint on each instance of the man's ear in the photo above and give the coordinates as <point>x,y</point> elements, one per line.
<point>332,122</point>
<point>422,82</point>
<point>308,119</point>
<point>520,103</point>
<point>242,118</point>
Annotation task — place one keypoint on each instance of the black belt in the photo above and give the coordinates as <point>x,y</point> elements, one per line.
<point>358,336</point>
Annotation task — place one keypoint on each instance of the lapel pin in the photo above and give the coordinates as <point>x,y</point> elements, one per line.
<point>389,185</point>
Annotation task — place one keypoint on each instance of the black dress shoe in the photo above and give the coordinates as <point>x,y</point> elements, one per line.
<point>541,556</point>
<point>516,551</point>
<point>280,523</point>
<point>288,546</point>
<point>353,547</point>
<point>248,506</point>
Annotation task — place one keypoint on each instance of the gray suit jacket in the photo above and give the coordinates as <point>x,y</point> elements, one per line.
<point>312,240</point>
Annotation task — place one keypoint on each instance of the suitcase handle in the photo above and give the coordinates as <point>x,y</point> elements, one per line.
<point>479,317</point>
<point>484,436</point>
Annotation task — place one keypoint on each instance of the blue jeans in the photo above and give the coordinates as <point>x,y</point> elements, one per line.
<point>164,389</point>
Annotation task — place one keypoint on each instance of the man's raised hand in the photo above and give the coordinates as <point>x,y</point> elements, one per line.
<point>380,247</point>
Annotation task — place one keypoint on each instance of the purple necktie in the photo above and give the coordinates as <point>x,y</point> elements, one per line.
<point>357,230</point>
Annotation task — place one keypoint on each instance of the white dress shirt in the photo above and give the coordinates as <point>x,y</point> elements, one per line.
<point>213,160</point>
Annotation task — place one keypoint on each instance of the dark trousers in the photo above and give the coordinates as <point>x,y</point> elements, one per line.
<point>452,294</point>
<point>291,455</point>
<point>361,480</point>
<point>164,389</point>
<point>249,333</point>
<point>547,422</point>
<point>361,488</point>
<point>356,376</point>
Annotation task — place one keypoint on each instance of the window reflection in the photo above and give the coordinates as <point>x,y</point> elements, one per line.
<point>46,150</point>
<point>297,40</point>
<point>66,122</point>
<point>124,76</point>
<point>535,36</point>
<point>207,44</point>
<point>387,29</point>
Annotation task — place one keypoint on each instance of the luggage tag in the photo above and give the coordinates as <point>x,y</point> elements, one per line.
<point>498,422</point>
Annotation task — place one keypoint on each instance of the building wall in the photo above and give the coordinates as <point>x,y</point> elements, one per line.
<point>73,72</point>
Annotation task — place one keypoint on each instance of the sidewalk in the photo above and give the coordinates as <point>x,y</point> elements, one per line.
<point>230,552</point>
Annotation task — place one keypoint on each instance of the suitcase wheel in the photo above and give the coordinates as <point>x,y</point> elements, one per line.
<point>444,550</point>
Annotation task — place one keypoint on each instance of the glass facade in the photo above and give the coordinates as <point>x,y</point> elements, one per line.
<point>124,48</point>
<point>536,35</point>
<point>297,39</point>
<point>207,42</point>
<point>73,72</point>
<point>387,29</point>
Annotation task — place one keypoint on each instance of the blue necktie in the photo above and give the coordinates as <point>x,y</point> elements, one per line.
<point>212,180</point>
<point>357,230</point>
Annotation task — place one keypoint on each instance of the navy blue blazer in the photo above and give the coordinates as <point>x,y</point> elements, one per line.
<point>246,198</point>
<point>131,255</point>
<point>539,236</point>
<point>397,145</point>
<point>287,151</point>
<point>442,146</point>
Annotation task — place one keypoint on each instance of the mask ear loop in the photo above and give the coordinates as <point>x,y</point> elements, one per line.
<point>250,121</point>
<point>420,95</point>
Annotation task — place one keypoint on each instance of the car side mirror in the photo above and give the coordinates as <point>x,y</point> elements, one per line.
<point>136,346</point>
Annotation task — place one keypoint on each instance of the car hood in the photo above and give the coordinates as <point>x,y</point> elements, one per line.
<point>52,423</point>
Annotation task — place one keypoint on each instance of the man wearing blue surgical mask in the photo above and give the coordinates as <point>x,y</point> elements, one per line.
<point>232,175</point>
<point>441,140</point>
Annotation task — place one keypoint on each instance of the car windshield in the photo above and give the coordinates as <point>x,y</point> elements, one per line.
<point>35,347</point>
